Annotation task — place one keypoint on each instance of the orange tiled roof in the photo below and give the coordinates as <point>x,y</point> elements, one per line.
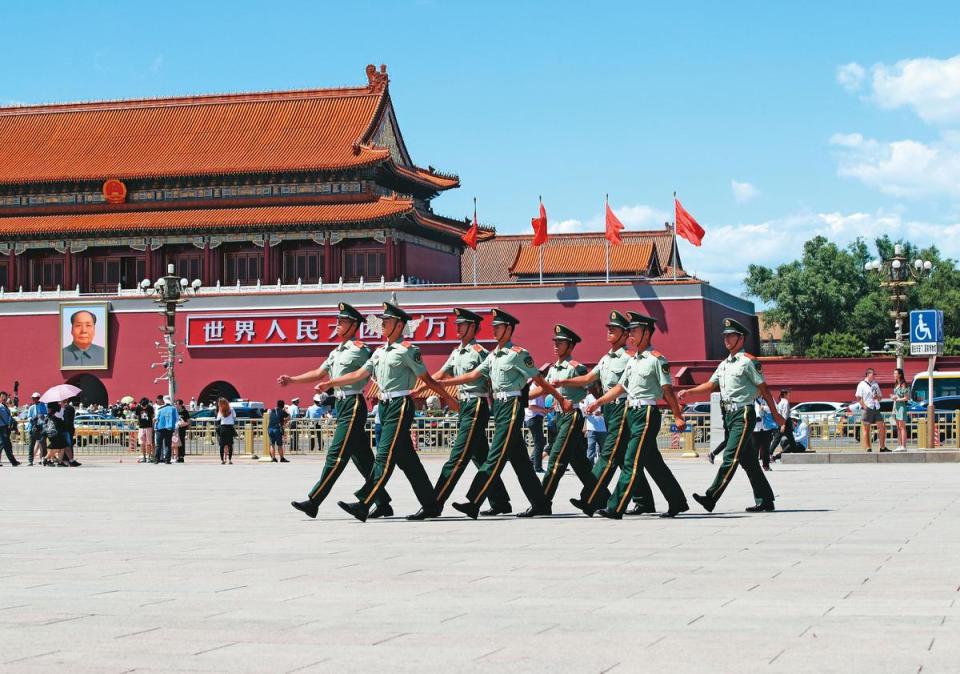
<point>210,219</point>
<point>317,129</point>
<point>632,257</point>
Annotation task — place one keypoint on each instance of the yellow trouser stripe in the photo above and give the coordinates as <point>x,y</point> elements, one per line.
<point>736,454</point>
<point>610,462</point>
<point>346,439</point>
<point>386,465</point>
<point>463,456</point>
<point>636,460</point>
<point>503,454</point>
<point>559,459</point>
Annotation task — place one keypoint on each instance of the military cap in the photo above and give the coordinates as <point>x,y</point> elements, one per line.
<point>636,320</point>
<point>393,311</point>
<point>563,332</point>
<point>466,316</point>
<point>345,310</point>
<point>731,326</point>
<point>617,320</point>
<point>501,317</point>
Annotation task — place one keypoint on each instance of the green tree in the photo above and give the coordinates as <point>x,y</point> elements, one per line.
<point>836,345</point>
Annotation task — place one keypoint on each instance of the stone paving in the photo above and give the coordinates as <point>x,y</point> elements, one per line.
<point>118,567</point>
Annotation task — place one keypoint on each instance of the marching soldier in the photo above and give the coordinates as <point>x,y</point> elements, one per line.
<point>608,372</point>
<point>396,366</point>
<point>738,378</point>
<point>569,446</point>
<point>471,439</point>
<point>645,380</point>
<point>350,439</point>
<point>509,368</point>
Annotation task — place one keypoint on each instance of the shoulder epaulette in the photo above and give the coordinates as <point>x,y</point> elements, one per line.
<point>478,348</point>
<point>546,366</point>
<point>574,363</point>
<point>518,349</point>
<point>656,354</point>
<point>749,355</point>
<point>405,344</point>
<point>357,343</point>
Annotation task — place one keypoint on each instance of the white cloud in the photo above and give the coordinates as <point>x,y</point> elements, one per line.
<point>638,216</point>
<point>931,87</point>
<point>850,76</point>
<point>566,227</point>
<point>744,192</point>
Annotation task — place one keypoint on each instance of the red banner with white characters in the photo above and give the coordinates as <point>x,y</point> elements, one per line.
<point>316,328</point>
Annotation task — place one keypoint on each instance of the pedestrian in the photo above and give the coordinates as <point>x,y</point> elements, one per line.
<point>276,422</point>
<point>36,419</point>
<point>165,426</point>
<point>595,427</point>
<point>782,434</point>
<point>607,373</point>
<point>901,396</point>
<point>739,378</point>
<point>144,416</point>
<point>868,395</point>
<point>226,430</point>
<point>315,414</point>
<point>294,425</point>
<point>56,435</point>
<point>645,380</point>
<point>183,424</point>
<point>8,427</point>
<point>193,404</point>
<point>69,418</point>
<point>470,442</point>
<point>509,368</point>
<point>762,432</point>
<point>533,418</point>
<point>350,441</point>
<point>396,366</point>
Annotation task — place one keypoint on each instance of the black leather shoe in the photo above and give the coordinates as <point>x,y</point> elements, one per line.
<point>642,510</point>
<point>493,511</point>
<point>762,508</point>
<point>610,514</point>
<point>381,511</point>
<point>587,509</point>
<point>357,509</point>
<point>710,457</point>
<point>673,512</point>
<point>705,502</point>
<point>424,514</point>
<point>309,508</point>
<point>537,511</point>
<point>470,509</point>
<point>885,449</point>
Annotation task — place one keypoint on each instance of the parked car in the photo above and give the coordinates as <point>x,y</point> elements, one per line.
<point>945,406</point>
<point>696,408</point>
<point>852,413</point>
<point>816,411</point>
<point>100,429</point>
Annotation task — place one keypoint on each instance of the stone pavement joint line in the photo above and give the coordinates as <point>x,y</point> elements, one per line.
<point>118,567</point>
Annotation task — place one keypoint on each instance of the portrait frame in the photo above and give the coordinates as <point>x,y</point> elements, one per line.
<point>101,340</point>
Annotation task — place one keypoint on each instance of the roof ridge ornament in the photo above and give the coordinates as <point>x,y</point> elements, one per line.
<point>377,81</point>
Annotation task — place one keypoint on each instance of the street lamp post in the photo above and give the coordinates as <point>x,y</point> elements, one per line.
<point>896,275</point>
<point>169,291</point>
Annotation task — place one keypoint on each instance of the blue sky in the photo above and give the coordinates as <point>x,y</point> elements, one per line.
<point>773,121</point>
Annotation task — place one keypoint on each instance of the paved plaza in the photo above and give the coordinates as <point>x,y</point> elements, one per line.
<point>118,567</point>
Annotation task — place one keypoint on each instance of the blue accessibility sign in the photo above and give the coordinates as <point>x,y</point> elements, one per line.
<point>926,332</point>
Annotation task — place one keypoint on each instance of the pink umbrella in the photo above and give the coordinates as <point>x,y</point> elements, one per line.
<point>59,393</point>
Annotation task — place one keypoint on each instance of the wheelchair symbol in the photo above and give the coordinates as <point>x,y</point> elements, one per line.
<point>922,331</point>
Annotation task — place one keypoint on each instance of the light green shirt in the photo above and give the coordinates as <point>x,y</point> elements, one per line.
<point>467,359</point>
<point>508,368</point>
<point>568,369</point>
<point>645,376</point>
<point>346,358</point>
<point>739,376</point>
<point>611,367</point>
<point>396,367</point>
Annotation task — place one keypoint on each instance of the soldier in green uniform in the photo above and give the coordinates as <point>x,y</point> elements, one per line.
<point>569,445</point>
<point>608,372</point>
<point>471,440</point>
<point>645,380</point>
<point>396,366</point>
<point>350,440</point>
<point>738,378</point>
<point>509,368</point>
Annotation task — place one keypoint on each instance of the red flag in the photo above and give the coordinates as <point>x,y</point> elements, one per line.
<point>687,226</point>
<point>540,227</point>
<point>470,237</point>
<point>614,227</point>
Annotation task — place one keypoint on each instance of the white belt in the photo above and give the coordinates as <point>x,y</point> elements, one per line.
<point>506,395</point>
<point>346,394</point>
<point>641,402</point>
<point>384,395</point>
<point>732,407</point>
<point>471,396</point>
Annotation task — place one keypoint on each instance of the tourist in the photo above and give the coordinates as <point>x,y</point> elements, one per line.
<point>275,425</point>
<point>144,415</point>
<point>762,432</point>
<point>784,434</point>
<point>533,416</point>
<point>901,397</point>
<point>69,415</point>
<point>596,427</point>
<point>868,395</point>
<point>56,435</point>
<point>165,425</point>
<point>226,430</point>
<point>36,417</point>
<point>182,425</point>
<point>8,426</point>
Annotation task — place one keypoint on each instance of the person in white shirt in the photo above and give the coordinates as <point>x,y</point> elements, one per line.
<point>868,395</point>
<point>293,409</point>
<point>595,426</point>
<point>783,434</point>
<point>533,422</point>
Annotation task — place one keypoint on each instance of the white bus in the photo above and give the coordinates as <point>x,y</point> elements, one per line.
<point>945,383</point>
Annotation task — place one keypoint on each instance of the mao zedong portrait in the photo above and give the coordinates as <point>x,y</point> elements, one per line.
<point>82,352</point>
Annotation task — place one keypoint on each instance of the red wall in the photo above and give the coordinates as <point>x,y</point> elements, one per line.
<point>429,264</point>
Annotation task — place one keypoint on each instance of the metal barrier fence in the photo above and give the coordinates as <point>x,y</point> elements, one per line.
<point>436,434</point>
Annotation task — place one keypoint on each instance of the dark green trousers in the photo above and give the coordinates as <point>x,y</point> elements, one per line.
<point>568,448</point>
<point>396,449</point>
<point>350,442</point>
<point>739,450</point>
<point>470,444</point>
<point>643,454</point>
<point>508,445</point>
<point>611,457</point>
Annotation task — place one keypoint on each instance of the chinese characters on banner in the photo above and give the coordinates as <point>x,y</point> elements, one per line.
<point>435,326</point>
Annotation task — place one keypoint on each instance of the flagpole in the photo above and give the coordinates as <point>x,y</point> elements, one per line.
<point>674,236</point>
<point>606,204</point>
<point>474,250</point>
<point>540,247</point>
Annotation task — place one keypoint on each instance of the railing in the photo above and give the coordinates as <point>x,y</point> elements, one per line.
<point>835,435</point>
